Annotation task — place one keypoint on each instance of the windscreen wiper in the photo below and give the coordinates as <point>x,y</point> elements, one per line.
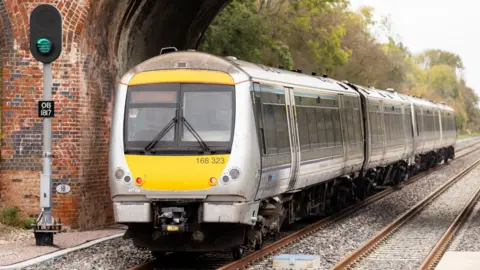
<point>161,134</point>
<point>195,134</point>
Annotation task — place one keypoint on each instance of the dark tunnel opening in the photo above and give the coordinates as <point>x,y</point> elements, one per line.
<point>131,31</point>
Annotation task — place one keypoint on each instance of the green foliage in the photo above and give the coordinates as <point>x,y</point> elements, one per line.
<point>237,31</point>
<point>326,36</point>
<point>11,216</point>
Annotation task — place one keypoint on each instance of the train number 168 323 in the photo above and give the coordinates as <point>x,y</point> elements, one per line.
<point>212,160</point>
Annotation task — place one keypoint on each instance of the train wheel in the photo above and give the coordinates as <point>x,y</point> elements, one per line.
<point>258,240</point>
<point>237,253</point>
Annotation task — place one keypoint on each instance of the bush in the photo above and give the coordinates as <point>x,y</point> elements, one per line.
<point>11,216</point>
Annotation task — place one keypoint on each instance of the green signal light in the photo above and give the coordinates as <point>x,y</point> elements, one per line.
<point>44,46</point>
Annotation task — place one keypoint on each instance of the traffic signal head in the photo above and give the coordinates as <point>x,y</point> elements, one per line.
<point>46,33</point>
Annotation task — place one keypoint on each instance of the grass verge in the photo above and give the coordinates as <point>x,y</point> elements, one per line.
<point>10,216</point>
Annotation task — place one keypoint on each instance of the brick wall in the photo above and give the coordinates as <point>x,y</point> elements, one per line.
<point>101,37</point>
<point>80,127</point>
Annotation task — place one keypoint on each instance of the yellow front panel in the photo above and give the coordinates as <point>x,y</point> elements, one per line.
<point>182,76</point>
<point>176,172</point>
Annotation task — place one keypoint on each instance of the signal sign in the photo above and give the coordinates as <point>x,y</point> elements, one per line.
<point>44,46</point>
<point>46,33</point>
<point>46,109</point>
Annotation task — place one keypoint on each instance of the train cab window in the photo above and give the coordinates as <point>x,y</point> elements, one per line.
<point>209,111</point>
<point>149,108</point>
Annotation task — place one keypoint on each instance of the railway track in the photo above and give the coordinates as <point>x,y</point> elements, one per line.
<point>224,261</point>
<point>442,245</point>
<point>406,241</point>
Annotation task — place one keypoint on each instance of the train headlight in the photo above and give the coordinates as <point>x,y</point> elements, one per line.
<point>127,179</point>
<point>234,173</point>
<point>119,173</point>
<point>225,179</point>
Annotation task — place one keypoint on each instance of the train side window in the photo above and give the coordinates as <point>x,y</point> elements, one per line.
<point>270,130</point>
<point>303,128</point>
<point>373,127</point>
<point>350,127</point>
<point>329,127</point>
<point>336,126</point>
<point>257,106</point>
<point>321,126</point>
<point>281,125</point>
<point>312,127</point>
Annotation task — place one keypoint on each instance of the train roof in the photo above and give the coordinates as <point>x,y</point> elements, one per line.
<point>239,69</point>
<point>379,94</point>
<point>290,78</point>
<point>393,95</point>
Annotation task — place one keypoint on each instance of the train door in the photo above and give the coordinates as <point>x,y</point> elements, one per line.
<point>257,109</point>
<point>344,128</point>
<point>384,130</point>
<point>294,138</point>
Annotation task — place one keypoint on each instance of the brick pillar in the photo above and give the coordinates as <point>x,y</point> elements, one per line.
<point>82,93</point>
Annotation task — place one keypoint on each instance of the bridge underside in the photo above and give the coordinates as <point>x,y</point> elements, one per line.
<point>140,28</point>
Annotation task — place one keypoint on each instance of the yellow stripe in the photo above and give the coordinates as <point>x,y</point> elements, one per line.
<point>182,76</point>
<point>176,172</point>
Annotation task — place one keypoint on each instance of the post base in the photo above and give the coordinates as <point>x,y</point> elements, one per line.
<point>44,230</point>
<point>44,238</point>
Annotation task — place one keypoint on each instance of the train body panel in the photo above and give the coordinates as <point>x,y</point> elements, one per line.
<point>201,144</point>
<point>303,124</point>
<point>389,127</point>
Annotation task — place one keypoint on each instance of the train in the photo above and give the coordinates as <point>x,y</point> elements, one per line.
<point>211,153</point>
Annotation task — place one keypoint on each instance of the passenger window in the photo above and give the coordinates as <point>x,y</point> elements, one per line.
<point>322,134</point>
<point>303,128</point>
<point>282,129</point>
<point>312,127</point>
<point>350,127</point>
<point>329,127</point>
<point>270,131</point>
<point>336,126</point>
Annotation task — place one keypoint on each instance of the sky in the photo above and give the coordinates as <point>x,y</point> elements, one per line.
<point>435,24</point>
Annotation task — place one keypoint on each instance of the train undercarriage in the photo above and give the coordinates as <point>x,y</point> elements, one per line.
<point>176,226</point>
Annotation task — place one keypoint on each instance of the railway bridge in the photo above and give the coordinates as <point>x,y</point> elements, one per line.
<point>102,39</point>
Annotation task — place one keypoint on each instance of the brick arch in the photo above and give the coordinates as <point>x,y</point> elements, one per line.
<point>6,37</point>
<point>140,28</point>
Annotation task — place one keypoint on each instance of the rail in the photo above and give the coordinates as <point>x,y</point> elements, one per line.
<point>377,239</point>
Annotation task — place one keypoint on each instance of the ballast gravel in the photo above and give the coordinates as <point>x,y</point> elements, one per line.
<point>468,238</point>
<point>336,240</point>
<point>115,254</point>
<point>408,247</point>
<point>331,243</point>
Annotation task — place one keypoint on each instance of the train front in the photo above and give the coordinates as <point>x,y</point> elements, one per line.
<point>181,170</point>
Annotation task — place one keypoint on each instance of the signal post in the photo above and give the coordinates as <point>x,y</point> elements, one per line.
<point>46,47</point>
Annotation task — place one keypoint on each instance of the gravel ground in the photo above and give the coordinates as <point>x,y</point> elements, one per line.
<point>336,240</point>
<point>331,244</point>
<point>113,254</point>
<point>468,238</point>
<point>411,243</point>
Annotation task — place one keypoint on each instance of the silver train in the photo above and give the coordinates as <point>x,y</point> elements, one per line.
<point>211,153</point>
